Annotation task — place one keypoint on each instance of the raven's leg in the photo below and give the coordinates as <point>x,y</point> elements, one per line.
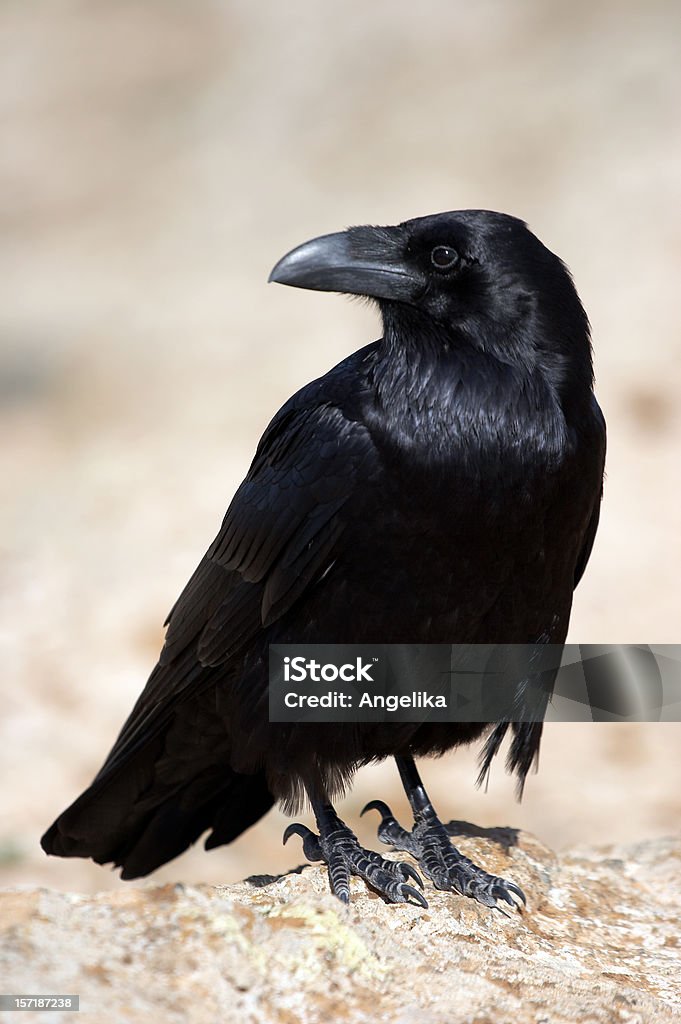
<point>429,843</point>
<point>338,846</point>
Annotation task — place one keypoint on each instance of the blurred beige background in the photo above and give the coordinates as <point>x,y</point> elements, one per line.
<point>157,159</point>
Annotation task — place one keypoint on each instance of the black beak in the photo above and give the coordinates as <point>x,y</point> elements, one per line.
<point>360,261</point>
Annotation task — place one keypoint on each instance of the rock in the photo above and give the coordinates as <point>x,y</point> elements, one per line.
<point>599,941</point>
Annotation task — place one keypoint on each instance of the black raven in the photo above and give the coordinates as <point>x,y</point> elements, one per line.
<point>441,485</point>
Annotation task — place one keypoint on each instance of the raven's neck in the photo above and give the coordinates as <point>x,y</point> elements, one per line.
<point>430,379</point>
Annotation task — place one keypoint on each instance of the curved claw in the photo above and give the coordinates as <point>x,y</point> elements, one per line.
<point>415,894</point>
<point>296,828</point>
<point>409,872</point>
<point>311,846</point>
<point>512,887</point>
<point>380,806</point>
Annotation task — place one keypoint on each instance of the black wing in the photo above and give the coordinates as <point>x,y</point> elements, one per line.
<point>168,778</point>
<point>279,531</point>
<point>277,538</point>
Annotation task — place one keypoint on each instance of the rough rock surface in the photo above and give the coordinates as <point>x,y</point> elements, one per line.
<point>600,941</point>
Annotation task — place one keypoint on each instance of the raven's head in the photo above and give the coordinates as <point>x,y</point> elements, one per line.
<point>481,273</point>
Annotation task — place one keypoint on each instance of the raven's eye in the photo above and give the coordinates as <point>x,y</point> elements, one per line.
<point>444,257</point>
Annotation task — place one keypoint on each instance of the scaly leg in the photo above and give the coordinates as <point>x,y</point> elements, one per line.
<point>429,843</point>
<point>338,846</point>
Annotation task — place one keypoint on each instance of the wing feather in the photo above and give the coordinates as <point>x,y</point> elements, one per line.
<point>279,535</point>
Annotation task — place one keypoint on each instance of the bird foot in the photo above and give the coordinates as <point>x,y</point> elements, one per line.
<point>339,848</point>
<point>441,862</point>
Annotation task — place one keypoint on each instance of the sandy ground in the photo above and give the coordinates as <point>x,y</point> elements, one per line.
<point>157,160</point>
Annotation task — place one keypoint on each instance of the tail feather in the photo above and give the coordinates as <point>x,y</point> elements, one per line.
<point>524,750</point>
<point>149,809</point>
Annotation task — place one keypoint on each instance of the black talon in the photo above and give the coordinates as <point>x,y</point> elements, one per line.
<point>409,872</point>
<point>418,896</point>
<point>380,806</point>
<point>517,890</point>
<point>296,829</point>
<point>340,849</point>
<point>430,844</point>
<point>389,831</point>
<point>311,847</point>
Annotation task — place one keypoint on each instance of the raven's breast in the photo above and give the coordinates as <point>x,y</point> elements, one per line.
<point>450,559</point>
